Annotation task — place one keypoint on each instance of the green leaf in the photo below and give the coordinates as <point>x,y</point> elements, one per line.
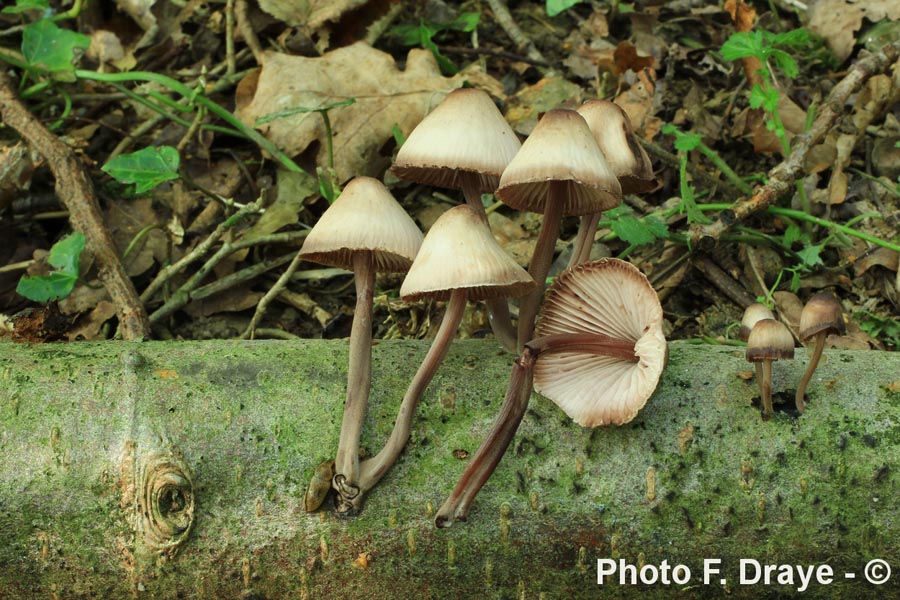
<point>408,35</point>
<point>466,22</point>
<point>791,235</point>
<point>47,46</point>
<point>145,168</point>
<point>785,62</point>
<point>632,231</point>
<point>811,255</point>
<point>797,38</point>
<point>688,141</point>
<point>657,227</point>
<point>64,255</point>
<point>742,45</point>
<point>554,7</point>
<point>763,97</point>
<point>398,135</point>
<point>26,5</point>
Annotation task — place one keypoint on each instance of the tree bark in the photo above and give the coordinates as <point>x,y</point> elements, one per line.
<point>163,470</point>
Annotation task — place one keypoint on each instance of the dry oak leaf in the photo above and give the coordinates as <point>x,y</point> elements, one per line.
<point>313,13</point>
<point>838,21</point>
<point>384,95</point>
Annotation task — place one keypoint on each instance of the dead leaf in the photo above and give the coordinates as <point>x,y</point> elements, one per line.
<point>530,102</point>
<point>142,14</point>
<point>362,561</point>
<point>293,189</point>
<point>744,18</point>
<point>311,13</point>
<point>627,59</point>
<point>88,326</point>
<point>637,102</point>
<point>126,220</point>
<point>385,96</point>
<point>838,21</point>
<point>883,257</point>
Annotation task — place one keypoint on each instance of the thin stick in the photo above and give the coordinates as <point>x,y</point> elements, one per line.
<point>372,470</point>
<point>76,191</point>
<point>505,20</point>
<point>271,295</point>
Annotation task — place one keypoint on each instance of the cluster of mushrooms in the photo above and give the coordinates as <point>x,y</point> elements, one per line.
<point>593,343</point>
<point>769,340</point>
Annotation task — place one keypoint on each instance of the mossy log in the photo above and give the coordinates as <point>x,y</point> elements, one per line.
<point>178,470</point>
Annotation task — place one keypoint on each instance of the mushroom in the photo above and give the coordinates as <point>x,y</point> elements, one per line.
<point>458,261</point>
<point>598,353</point>
<point>365,230</point>
<point>821,316</point>
<point>769,340</point>
<point>752,314</point>
<point>463,144</point>
<point>559,171</point>
<point>625,156</point>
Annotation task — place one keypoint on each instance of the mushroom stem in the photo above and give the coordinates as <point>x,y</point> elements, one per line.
<point>810,368</point>
<point>479,470</point>
<point>584,241</point>
<point>591,343</point>
<point>498,308</point>
<point>541,259</point>
<point>359,379</point>
<point>372,470</point>
<point>765,390</point>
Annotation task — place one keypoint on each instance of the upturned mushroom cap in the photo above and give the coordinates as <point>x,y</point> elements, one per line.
<point>460,252</point>
<point>560,148</point>
<point>613,298</point>
<point>365,217</point>
<point>770,340</point>
<point>464,134</point>
<point>752,315</point>
<point>620,146</point>
<point>821,313</point>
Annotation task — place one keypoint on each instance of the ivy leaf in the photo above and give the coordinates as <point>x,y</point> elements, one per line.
<point>64,255</point>
<point>49,47</point>
<point>26,5</point>
<point>145,168</point>
<point>554,7</point>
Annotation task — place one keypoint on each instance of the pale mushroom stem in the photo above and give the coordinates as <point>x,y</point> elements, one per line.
<point>359,379</point>
<point>541,259</point>
<point>492,449</point>
<point>584,241</point>
<point>372,470</point>
<point>765,390</point>
<point>810,368</point>
<point>498,308</point>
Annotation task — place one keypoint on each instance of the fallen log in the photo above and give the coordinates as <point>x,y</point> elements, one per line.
<point>178,470</point>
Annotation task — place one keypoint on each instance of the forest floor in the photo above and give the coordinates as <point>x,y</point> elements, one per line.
<point>772,127</point>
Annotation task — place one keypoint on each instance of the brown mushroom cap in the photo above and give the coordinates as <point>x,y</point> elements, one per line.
<point>610,297</point>
<point>626,157</point>
<point>561,148</point>
<point>770,340</point>
<point>464,134</point>
<point>752,314</point>
<point>460,252</point>
<point>365,217</point>
<point>821,313</point>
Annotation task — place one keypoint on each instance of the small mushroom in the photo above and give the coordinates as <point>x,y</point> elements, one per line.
<point>598,353</point>
<point>458,261</point>
<point>624,154</point>
<point>821,316</point>
<point>752,314</point>
<point>365,230</point>
<point>464,144</point>
<point>559,171</point>
<point>770,340</point>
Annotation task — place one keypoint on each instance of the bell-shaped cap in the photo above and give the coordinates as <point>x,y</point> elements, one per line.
<point>465,135</point>
<point>364,218</point>
<point>562,149</point>
<point>752,314</point>
<point>460,252</point>
<point>821,313</point>
<point>620,146</point>
<point>769,340</point>
<point>609,297</point>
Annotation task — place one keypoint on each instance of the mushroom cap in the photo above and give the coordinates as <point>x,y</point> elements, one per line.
<point>620,146</point>
<point>365,217</point>
<point>752,314</point>
<point>821,313</point>
<point>770,340</point>
<point>610,297</point>
<point>464,134</point>
<point>561,148</point>
<point>460,252</point>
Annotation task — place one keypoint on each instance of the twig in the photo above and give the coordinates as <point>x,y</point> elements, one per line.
<point>246,274</point>
<point>698,174</point>
<point>512,29</point>
<point>782,178</point>
<point>723,281</point>
<point>230,60</point>
<point>76,192</point>
<point>498,53</point>
<point>241,13</point>
<point>271,295</point>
